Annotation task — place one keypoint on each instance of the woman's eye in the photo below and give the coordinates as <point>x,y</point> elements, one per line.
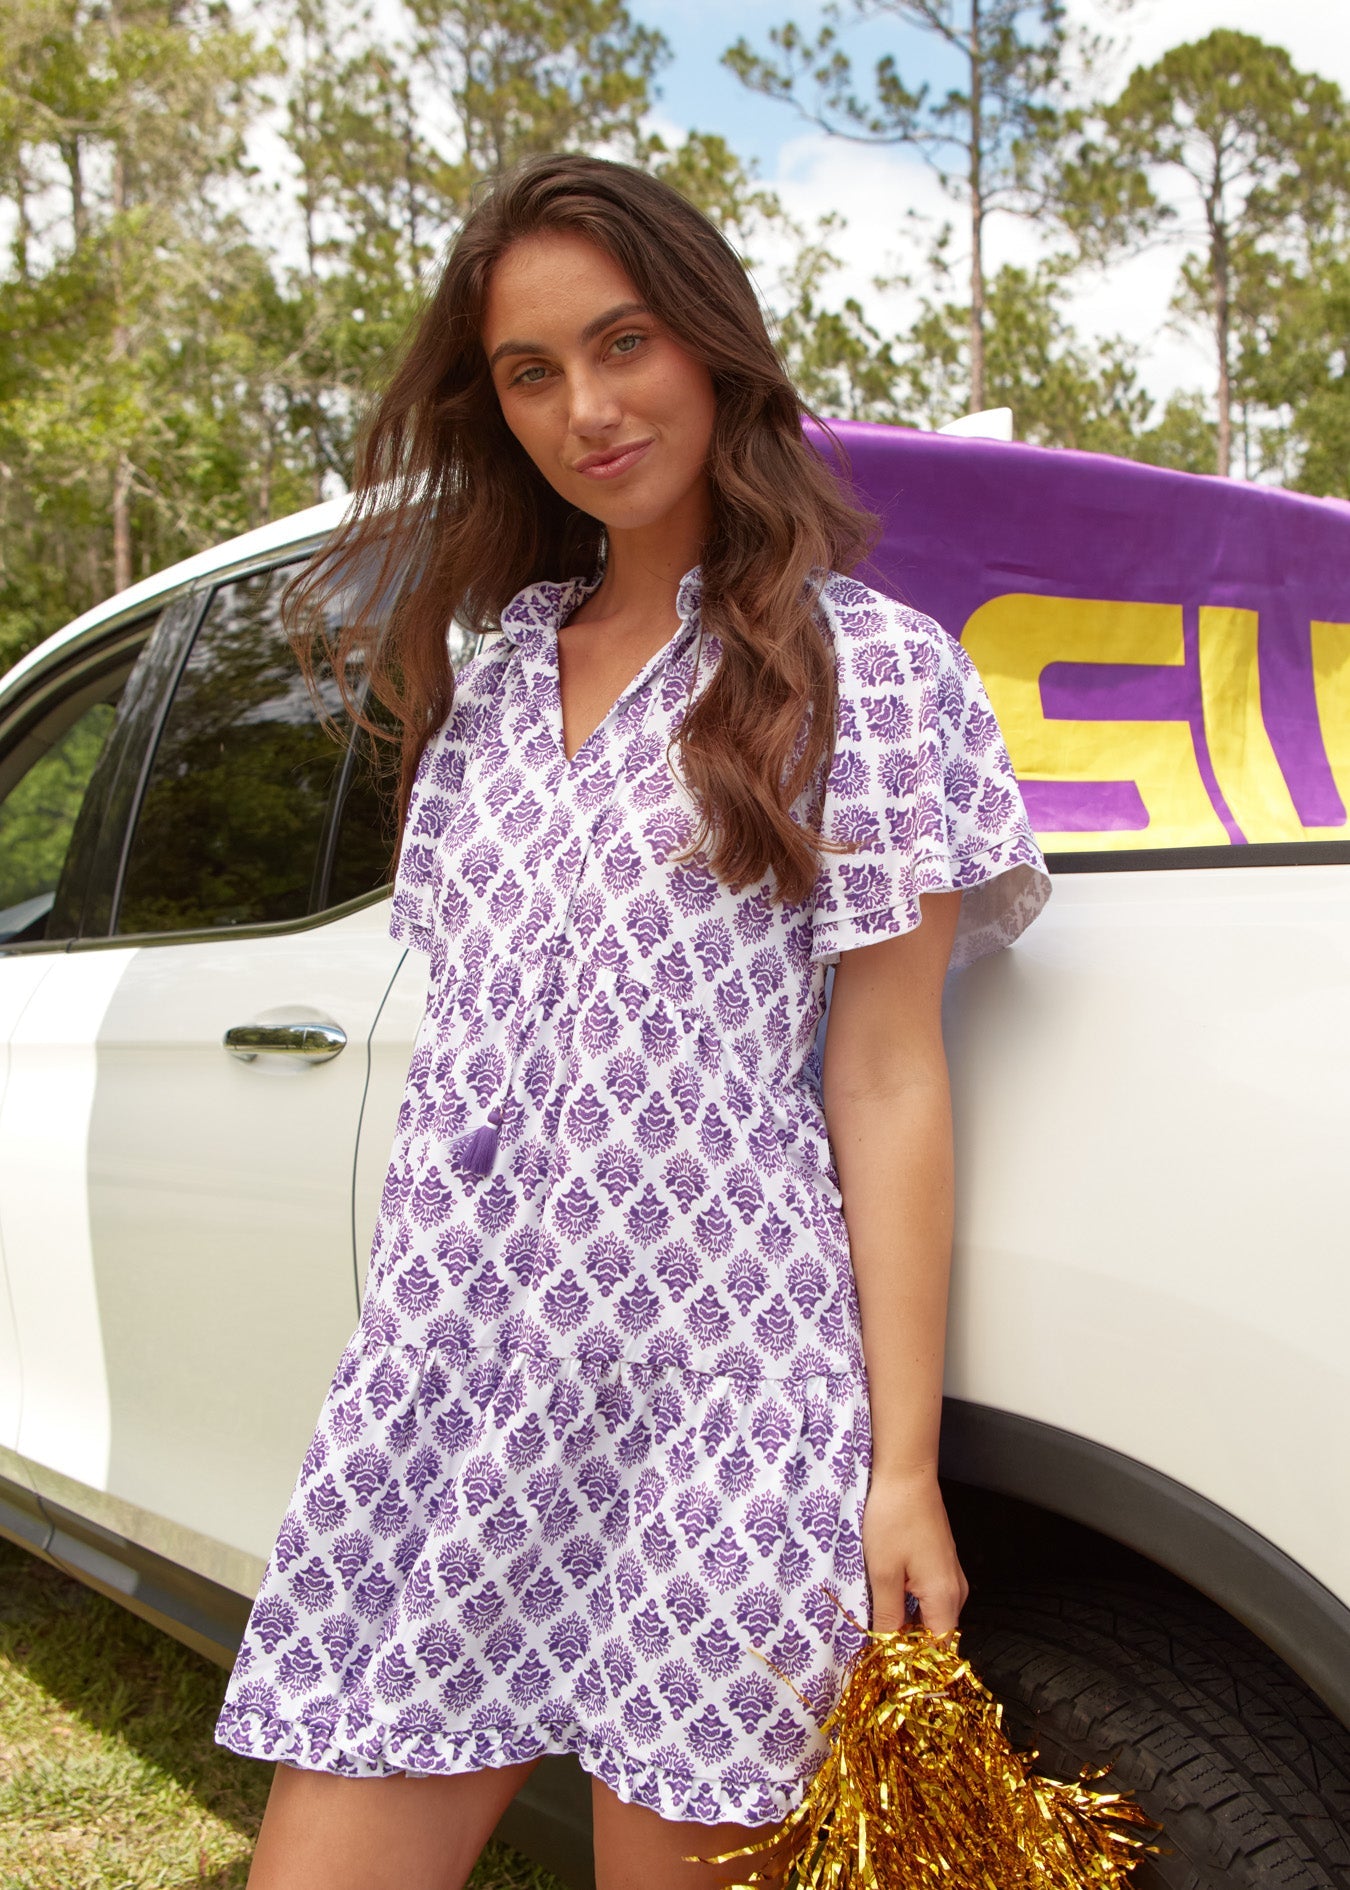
<point>626,343</point>
<point>526,375</point>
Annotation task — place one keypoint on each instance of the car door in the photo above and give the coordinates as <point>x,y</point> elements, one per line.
<point>219,1001</point>
<point>55,731</point>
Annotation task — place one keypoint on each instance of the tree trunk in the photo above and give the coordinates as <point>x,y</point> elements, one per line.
<point>410,174</point>
<point>119,349</point>
<point>23,233</point>
<point>121,522</point>
<point>265,474</point>
<point>79,216</point>
<point>121,342</point>
<point>317,443</point>
<point>1226,375</point>
<point>1218,254</point>
<point>976,212</point>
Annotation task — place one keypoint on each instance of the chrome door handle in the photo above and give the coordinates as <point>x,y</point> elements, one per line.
<point>312,1043</point>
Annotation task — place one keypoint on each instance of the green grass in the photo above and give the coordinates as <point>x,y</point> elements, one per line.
<point>110,1778</point>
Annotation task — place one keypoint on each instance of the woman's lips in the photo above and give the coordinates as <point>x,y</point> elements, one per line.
<point>617,460</point>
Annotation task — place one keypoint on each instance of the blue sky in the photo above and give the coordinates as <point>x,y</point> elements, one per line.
<point>697,89</point>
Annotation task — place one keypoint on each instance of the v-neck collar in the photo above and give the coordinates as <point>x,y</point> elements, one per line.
<point>531,622</point>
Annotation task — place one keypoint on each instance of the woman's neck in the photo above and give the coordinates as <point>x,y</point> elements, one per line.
<point>643,569</point>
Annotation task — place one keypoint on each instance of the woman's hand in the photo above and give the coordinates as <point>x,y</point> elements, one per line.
<point>907,1544</point>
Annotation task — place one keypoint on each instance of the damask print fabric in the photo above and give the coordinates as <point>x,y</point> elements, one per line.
<point>601,1435</point>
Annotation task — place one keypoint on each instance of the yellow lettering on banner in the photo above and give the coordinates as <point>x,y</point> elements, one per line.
<point>1011,640</point>
<point>1245,767</point>
<point>1331,685</point>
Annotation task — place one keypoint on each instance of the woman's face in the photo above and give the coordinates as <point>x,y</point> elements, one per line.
<point>612,410</point>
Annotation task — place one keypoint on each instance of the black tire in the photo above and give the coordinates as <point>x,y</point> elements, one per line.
<point>1245,1770</point>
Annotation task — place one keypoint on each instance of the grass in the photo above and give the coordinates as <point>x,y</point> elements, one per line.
<point>110,1778</point>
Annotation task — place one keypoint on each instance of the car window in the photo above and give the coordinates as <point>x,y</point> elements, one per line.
<point>39,811</point>
<point>234,810</point>
<point>364,827</point>
<point>84,896</point>
<point>363,823</point>
<point>252,812</point>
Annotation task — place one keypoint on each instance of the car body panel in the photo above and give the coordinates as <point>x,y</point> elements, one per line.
<point>391,1046</point>
<point>220,1216</point>
<point>20,977</point>
<point>44,1212</point>
<point>1151,1093</point>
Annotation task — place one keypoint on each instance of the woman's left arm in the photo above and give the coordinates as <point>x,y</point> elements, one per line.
<point>888,1110</point>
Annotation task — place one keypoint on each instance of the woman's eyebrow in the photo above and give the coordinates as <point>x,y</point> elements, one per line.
<point>588,333</point>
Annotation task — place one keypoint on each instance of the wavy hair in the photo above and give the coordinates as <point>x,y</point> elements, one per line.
<point>449,517</point>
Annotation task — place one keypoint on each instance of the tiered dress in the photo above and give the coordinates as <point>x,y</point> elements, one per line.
<point>599,1443</point>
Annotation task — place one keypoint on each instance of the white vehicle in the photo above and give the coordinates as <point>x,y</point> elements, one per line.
<point>204,1031</point>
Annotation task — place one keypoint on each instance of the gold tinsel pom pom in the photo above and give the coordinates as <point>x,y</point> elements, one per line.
<point>922,1790</point>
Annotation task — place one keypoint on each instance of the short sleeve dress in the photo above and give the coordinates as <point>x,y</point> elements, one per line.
<point>600,1440</point>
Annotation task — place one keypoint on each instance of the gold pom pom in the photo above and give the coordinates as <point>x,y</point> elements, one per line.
<point>922,1790</point>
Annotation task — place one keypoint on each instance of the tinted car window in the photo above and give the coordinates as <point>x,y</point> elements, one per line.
<point>84,897</point>
<point>362,842</point>
<point>233,816</point>
<point>38,814</point>
<point>364,822</point>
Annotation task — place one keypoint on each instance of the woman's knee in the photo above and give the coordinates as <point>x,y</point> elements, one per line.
<point>325,1832</point>
<point>634,1846</point>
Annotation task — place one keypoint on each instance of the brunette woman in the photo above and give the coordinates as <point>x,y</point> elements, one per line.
<point>649,1362</point>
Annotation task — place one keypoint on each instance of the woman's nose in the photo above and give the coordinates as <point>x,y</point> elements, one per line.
<point>592,406</point>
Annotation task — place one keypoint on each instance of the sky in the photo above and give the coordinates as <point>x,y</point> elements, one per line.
<point>876,188</point>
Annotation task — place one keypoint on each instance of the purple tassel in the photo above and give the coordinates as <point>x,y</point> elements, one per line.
<point>475,1153</point>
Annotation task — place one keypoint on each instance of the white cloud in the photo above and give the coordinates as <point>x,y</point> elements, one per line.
<point>1316,33</point>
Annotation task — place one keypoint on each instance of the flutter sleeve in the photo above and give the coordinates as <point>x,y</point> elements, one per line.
<point>412,919</point>
<point>922,788</point>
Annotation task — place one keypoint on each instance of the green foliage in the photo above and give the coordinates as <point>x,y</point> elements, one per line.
<point>1260,151</point>
<point>120,127</point>
<point>708,172</point>
<point>980,136</point>
<point>1062,392</point>
<point>170,380</point>
<point>192,337</point>
<point>38,816</point>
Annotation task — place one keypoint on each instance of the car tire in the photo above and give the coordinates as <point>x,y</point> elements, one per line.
<point>1247,1773</point>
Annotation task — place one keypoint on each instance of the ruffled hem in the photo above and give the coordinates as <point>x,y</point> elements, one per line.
<point>1004,891</point>
<point>673,1791</point>
<point>406,931</point>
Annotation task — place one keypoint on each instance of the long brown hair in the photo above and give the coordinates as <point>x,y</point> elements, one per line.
<point>450,518</point>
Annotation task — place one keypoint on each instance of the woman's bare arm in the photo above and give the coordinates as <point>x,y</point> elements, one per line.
<point>888,1108</point>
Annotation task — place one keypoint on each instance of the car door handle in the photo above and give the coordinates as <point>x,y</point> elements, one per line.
<point>310,1042</point>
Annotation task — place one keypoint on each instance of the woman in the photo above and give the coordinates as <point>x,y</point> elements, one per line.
<point>650,1352</point>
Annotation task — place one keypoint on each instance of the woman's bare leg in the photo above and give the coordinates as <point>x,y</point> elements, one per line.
<point>637,1850</point>
<point>322,1832</point>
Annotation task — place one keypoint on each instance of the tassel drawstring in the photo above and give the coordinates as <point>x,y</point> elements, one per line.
<point>475,1153</point>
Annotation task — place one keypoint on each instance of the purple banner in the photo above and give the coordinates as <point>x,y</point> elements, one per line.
<point>1168,655</point>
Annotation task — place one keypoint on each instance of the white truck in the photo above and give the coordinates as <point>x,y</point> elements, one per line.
<point>204,1030</point>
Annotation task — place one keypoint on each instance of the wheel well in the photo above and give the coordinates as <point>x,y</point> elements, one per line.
<point>1023,1493</point>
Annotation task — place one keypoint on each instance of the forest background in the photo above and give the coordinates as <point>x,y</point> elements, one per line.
<point>219,216</point>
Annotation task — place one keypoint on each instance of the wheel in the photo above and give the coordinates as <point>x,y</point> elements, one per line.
<point>1245,1770</point>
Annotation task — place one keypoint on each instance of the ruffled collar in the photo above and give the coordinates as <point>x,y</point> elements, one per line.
<point>542,607</point>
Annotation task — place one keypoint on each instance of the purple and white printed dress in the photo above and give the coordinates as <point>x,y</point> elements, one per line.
<point>600,1440</point>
